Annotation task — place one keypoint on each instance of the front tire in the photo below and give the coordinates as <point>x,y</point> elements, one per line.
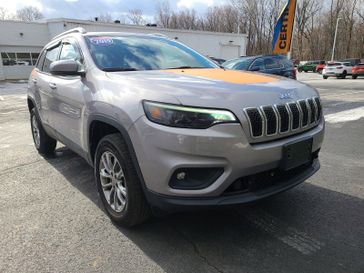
<point>343,76</point>
<point>118,184</point>
<point>354,77</point>
<point>325,77</point>
<point>44,144</point>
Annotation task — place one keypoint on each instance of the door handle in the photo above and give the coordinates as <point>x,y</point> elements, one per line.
<point>34,81</point>
<point>52,85</point>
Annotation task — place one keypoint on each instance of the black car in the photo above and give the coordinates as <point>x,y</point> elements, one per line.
<point>270,64</point>
<point>219,61</point>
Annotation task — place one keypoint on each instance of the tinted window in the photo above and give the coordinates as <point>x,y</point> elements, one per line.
<point>258,64</point>
<point>272,63</point>
<point>239,64</point>
<point>51,56</point>
<point>70,52</point>
<point>114,53</point>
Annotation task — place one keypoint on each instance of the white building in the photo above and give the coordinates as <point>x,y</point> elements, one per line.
<point>21,42</point>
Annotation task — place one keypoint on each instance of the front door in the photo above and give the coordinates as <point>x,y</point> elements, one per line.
<point>69,99</point>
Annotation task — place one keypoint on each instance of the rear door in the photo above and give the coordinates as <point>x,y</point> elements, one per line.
<point>273,66</point>
<point>349,68</point>
<point>69,98</point>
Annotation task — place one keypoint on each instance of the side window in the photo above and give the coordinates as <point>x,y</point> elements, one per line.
<point>51,56</point>
<point>70,52</point>
<point>40,60</point>
<point>258,64</point>
<point>271,63</point>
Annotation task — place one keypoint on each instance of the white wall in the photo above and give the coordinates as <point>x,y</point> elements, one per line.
<point>207,43</point>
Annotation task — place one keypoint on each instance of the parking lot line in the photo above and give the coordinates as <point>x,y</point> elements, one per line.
<point>345,116</point>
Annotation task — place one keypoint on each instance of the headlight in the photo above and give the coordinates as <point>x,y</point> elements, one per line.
<point>186,117</point>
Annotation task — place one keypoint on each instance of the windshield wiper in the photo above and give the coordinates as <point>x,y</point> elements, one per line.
<point>185,67</point>
<point>115,69</point>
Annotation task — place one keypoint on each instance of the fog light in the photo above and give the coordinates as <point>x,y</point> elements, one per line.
<point>194,178</point>
<point>181,176</point>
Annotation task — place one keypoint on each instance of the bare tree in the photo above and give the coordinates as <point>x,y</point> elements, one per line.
<point>163,14</point>
<point>136,17</point>
<point>105,18</point>
<point>5,14</point>
<point>29,14</point>
<point>313,36</point>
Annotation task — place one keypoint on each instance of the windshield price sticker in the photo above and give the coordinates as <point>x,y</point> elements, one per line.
<point>102,41</point>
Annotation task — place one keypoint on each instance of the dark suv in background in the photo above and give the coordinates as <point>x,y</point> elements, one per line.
<point>269,64</point>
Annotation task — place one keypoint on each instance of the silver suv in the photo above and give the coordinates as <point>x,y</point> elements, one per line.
<point>167,129</point>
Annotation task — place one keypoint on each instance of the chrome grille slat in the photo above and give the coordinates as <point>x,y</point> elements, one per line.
<point>284,118</point>
<point>313,110</point>
<point>271,120</point>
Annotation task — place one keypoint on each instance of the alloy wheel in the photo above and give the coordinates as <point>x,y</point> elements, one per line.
<point>113,181</point>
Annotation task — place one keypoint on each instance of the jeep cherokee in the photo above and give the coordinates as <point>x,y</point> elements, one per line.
<point>167,129</point>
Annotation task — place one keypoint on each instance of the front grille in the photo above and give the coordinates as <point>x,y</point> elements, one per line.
<point>295,115</point>
<point>319,108</point>
<point>271,118</point>
<point>265,180</point>
<point>283,118</point>
<point>312,110</point>
<point>256,121</point>
<point>304,110</point>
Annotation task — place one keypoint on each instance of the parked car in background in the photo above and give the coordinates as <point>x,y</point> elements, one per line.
<point>269,64</point>
<point>358,71</point>
<point>219,61</point>
<point>352,61</point>
<point>337,69</point>
<point>320,67</point>
<point>310,66</point>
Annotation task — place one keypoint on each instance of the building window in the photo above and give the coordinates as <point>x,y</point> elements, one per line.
<point>19,58</point>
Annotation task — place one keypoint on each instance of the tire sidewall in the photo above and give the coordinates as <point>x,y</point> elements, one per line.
<point>33,113</point>
<point>108,146</point>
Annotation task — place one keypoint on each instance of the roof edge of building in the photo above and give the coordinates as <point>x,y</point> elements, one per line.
<point>89,22</point>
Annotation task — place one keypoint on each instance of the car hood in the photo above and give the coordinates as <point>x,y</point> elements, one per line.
<point>219,88</point>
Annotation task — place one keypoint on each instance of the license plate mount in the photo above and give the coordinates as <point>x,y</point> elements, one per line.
<point>296,154</point>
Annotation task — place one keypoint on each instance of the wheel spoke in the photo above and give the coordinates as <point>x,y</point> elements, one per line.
<point>122,190</point>
<point>121,196</point>
<point>105,174</point>
<point>115,199</point>
<point>120,174</point>
<point>105,162</point>
<point>112,181</point>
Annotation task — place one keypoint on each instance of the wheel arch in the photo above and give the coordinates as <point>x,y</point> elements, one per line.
<point>31,103</point>
<point>112,126</point>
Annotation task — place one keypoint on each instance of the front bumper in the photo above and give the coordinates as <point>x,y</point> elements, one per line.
<point>161,150</point>
<point>173,204</point>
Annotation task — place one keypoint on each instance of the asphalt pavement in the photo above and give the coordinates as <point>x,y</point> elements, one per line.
<point>51,219</point>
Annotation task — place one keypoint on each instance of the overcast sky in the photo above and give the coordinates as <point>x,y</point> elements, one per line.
<point>86,9</point>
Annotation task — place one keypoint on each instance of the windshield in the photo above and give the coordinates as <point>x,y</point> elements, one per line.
<point>131,53</point>
<point>240,64</point>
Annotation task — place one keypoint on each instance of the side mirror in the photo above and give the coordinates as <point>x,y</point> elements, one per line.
<point>255,69</point>
<point>66,68</point>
